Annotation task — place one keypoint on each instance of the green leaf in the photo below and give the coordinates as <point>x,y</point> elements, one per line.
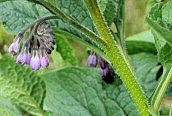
<point>111,11</point>
<point>8,109</point>
<point>161,12</point>
<point>141,42</point>
<point>17,15</point>
<point>163,42</point>
<point>102,4</point>
<point>156,12</point>
<point>166,14</point>
<point>79,91</point>
<point>146,68</point>
<point>21,86</point>
<point>65,49</point>
<point>78,11</point>
<point>5,0</point>
<point>57,60</point>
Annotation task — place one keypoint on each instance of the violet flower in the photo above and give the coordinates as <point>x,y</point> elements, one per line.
<point>44,61</point>
<point>103,64</point>
<point>93,60</point>
<point>14,48</point>
<point>35,61</point>
<point>21,59</point>
<point>28,58</point>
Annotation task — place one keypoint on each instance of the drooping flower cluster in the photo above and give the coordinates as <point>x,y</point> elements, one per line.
<point>106,69</point>
<point>36,49</point>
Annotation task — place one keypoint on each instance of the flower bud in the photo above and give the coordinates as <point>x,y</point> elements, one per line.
<point>92,60</point>
<point>44,61</point>
<point>21,59</point>
<point>105,72</point>
<point>35,61</point>
<point>103,64</point>
<point>14,48</point>
<point>28,58</point>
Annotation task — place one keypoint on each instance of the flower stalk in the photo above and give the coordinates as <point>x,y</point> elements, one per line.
<point>161,90</point>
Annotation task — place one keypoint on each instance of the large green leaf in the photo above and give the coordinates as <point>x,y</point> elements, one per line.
<point>111,12</point>
<point>79,92</point>
<point>77,10</point>
<point>18,14</point>
<point>8,109</point>
<point>21,86</point>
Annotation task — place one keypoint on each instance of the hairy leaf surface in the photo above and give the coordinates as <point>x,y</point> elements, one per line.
<point>79,91</point>
<point>21,86</point>
<point>17,15</point>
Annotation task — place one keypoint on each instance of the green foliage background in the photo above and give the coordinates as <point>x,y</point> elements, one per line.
<point>94,95</point>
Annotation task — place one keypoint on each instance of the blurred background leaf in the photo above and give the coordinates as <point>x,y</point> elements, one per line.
<point>8,109</point>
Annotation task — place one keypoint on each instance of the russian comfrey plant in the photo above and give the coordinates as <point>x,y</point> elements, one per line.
<point>108,47</point>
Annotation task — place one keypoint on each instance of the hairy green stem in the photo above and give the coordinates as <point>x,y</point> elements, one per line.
<point>161,90</point>
<point>39,21</point>
<point>118,59</point>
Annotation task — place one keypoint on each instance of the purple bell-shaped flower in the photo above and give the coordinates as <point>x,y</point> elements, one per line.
<point>35,61</point>
<point>104,67</point>
<point>28,58</point>
<point>21,59</point>
<point>44,60</point>
<point>103,63</point>
<point>14,48</point>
